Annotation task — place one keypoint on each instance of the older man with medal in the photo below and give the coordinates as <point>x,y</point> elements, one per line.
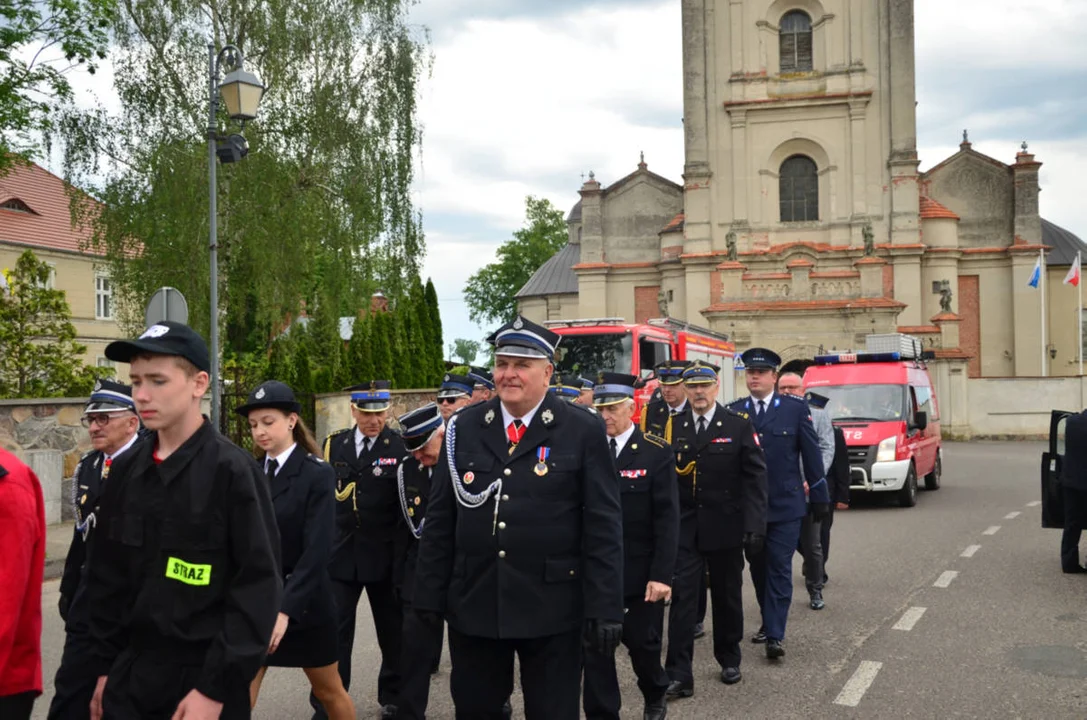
<point>523,549</point>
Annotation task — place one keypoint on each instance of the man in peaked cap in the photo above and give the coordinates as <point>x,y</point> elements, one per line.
<point>454,394</point>
<point>785,429</point>
<point>566,386</point>
<point>722,496</point>
<point>110,418</point>
<point>483,389</point>
<point>585,394</point>
<point>523,548</point>
<point>669,401</point>
<point>647,479</point>
<point>423,430</point>
<point>366,458</point>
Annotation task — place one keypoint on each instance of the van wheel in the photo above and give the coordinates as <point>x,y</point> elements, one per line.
<point>907,496</point>
<point>932,480</point>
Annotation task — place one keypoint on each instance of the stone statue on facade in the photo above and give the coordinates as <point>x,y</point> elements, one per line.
<point>945,297</point>
<point>730,245</point>
<point>869,240</point>
<point>662,303</point>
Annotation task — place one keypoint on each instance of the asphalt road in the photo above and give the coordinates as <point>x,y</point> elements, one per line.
<point>1006,637</point>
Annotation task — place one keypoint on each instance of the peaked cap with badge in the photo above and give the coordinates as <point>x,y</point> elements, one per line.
<point>586,383</point>
<point>164,338</point>
<point>110,397</point>
<point>482,377</point>
<point>270,394</point>
<point>419,425</point>
<point>613,388</point>
<point>700,373</point>
<point>565,385</point>
<point>373,396</point>
<point>456,386</point>
<point>524,338</point>
<point>670,372</point>
<point>760,358</point>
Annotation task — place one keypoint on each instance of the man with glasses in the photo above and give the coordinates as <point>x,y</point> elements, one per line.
<point>110,417</point>
<point>454,394</point>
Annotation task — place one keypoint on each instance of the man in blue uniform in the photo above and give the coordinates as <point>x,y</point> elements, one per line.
<point>523,548</point>
<point>455,393</point>
<point>788,438</point>
<point>365,458</point>
<point>110,417</point>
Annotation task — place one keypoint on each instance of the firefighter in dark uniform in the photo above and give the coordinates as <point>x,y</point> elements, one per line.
<point>183,574</point>
<point>647,481</point>
<point>585,394</point>
<point>365,458</point>
<point>523,547</point>
<point>669,400</point>
<point>423,431</point>
<point>566,386</point>
<point>111,418</point>
<point>1074,492</point>
<point>788,436</point>
<point>455,393</point>
<point>303,495</point>
<point>483,390</point>
<point>722,500</point>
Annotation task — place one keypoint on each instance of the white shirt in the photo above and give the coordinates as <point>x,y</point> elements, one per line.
<point>621,439</point>
<point>709,416</point>
<point>766,403</point>
<point>507,419</point>
<point>677,410</point>
<point>360,439</point>
<point>126,446</point>
<point>281,459</point>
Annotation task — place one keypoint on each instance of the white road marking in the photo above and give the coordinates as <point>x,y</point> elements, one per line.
<point>1012,515</point>
<point>909,619</point>
<point>855,688</point>
<point>945,578</point>
<point>991,530</point>
<point>1034,503</point>
<point>970,550</point>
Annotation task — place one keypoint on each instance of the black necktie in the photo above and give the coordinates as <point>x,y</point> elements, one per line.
<point>614,448</point>
<point>270,471</point>
<point>702,425</point>
<point>762,407</point>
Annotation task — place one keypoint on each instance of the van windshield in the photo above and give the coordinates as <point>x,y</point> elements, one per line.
<point>587,355</point>
<point>872,403</point>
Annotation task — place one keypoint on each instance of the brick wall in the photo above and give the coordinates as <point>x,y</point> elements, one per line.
<point>888,281</point>
<point>645,303</point>
<point>970,327</point>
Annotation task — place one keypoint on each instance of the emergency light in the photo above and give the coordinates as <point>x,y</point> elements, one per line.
<point>865,357</point>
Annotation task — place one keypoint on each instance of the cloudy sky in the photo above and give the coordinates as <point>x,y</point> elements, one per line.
<point>526,95</point>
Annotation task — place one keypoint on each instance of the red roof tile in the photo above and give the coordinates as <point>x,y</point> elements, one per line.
<point>676,225</point>
<point>932,210</point>
<point>918,329</point>
<point>802,305</point>
<point>49,224</point>
<point>799,262</point>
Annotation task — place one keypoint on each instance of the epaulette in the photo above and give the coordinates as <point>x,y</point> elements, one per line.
<point>655,440</point>
<point>315,458</point>
<point>341,431</point>
<point>794,398</point>
<point>737,413</point>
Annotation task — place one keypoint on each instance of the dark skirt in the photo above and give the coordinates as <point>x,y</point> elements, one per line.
<point>311,642</point>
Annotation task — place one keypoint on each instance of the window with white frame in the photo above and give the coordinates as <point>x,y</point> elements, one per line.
<point>104,362</point>
<point>103,297</point>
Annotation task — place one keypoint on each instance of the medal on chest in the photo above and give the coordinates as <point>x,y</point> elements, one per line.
<point>541,465</point>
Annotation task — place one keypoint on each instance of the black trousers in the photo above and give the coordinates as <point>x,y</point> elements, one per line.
<point>1075,522</point>
<point>824,536</point>
<point>726,600</point>
<point>643,626</point>
<point>388,625</point>
<point>482,678</point>
<point>703,591</point>
<point>19,706</point>
<point>150,685</point>
<point>811,549</point>
<point>421,649</point>
<point>74,682</point>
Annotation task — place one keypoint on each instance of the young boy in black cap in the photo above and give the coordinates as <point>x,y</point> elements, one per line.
<point>183,569</point>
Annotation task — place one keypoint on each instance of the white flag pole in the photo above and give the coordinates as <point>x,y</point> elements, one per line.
<point>1041,285</point>
<point>1079,313</point>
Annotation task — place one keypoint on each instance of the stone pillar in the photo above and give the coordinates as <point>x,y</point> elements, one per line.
<point>1028,223</point>
<point>871,270</point>
<point>800,269</point>
<point>948,323</point>
<point>48,465</point>
<point>1026,314</point>
<point>698,288</point>
<point>738,122</point>
<point>697,114</point>
<point>859,157</point>
<point>592,221</point>
<point>903,163</point>
<point>907,274</point>
<point>732,280</point>
<point>592,283</point>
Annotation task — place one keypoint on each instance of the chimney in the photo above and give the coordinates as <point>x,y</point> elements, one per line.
<point>592,222</point>
<point>378,303</point>
<point>1028,221</point>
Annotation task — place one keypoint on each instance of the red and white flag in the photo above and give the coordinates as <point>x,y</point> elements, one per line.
<point>1072,278</point>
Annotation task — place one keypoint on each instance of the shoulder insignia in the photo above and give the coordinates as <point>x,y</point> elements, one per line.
<point>655,440</point>
<point>315,458</point>
<point>547,416</point>
<point>738,413</point>
<point>794,398</point>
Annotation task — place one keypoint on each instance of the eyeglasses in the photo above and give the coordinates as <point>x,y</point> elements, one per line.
<point>447,400</point>
<point>101,419</point>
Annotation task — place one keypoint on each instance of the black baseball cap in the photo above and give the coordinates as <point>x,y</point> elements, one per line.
<point>163,338</point>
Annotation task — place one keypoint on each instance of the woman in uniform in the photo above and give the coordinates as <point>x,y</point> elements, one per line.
<point>302,487</point>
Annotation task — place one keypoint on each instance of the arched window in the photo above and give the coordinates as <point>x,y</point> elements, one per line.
<point>796,42</point>
<point>799,189</point>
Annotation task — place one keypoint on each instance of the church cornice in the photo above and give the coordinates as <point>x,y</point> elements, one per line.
<point>803,307</point>
<point>796,101</point>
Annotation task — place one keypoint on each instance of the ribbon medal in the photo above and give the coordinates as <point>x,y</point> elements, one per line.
<point>541,456</point>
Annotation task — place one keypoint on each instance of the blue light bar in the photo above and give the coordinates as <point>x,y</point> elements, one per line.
<point>854,358</point>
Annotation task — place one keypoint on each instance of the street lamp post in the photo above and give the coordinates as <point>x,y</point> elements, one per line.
<point>241,92</point>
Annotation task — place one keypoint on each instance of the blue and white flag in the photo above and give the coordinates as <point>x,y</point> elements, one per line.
<point>1036,274</point>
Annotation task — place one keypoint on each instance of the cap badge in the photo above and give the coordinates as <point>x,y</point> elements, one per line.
<point>97,385</point>
<point>547,416</point>
<point>259,395</point>
<point>600,378</point>
<point>155,331</point>
<point>446,378</point>
<point>518,324</point>
<point>489,417</point>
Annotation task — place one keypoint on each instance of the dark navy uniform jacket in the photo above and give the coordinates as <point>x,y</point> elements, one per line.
<point>303,497</point>
<point>1074,470</point>
<point>788,439</point>
<point>87,488</point>
<point>647,483</point>
<point>367,506</point>
<point>722,480</point>
<point>554,556</point>
<point>412,513</point>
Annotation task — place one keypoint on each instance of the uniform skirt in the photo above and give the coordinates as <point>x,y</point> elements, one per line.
<point>311,641</point>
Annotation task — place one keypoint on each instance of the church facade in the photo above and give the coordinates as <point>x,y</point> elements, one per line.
<point>803,222</point>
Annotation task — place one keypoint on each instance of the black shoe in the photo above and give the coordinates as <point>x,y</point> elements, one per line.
<point>507,710</point>
<point>655,711</point>
<point>1074,569</point>
<point>677,690</point>
<point>817,600</point>
<point>759,637</point>
<point>388,712</point>
<point>731,675</point>
<point>699,631</point>
<point>774,649</point>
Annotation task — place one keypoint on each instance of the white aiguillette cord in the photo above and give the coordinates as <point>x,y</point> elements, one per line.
<point>465,498</point>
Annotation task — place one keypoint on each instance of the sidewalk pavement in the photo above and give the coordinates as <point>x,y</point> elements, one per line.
<point>58,538</point>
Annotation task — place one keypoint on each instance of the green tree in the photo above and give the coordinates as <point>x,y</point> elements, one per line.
<point>435,329</point>
<point>464,350</point>
<point>383,334</point>
<point>359,363</point>
<point>490,291</point>
<point>281,361</point>
<point>39,355</point>
<point>41,43</point>
<point>320,208</point>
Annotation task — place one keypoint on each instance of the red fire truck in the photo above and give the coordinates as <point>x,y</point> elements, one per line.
<point>594,345</point>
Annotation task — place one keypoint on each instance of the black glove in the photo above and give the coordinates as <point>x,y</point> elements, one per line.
<point>603,636</point>
<point>429,618</point>
<point>62,605</point>
<point>819,511</point>
<point>754,543</point>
